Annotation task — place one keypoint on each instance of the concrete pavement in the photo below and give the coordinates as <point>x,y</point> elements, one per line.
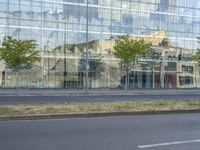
<point>168,132</point>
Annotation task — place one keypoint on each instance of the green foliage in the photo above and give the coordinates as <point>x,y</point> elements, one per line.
<point>197,56</point>
<point>154,55</point>
<point>19,53</point>
<point>129,50</point>
<point>96,64</point>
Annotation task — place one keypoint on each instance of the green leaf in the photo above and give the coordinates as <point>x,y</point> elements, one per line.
<point>16,53</point>
<point>129,50</point>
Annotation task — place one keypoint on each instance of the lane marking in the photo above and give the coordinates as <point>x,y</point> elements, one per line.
<point>168,144</point>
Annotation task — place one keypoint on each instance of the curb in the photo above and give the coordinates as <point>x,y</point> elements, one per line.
<point>43,92</point>
<point>100,114</point>
<point>98,94</point>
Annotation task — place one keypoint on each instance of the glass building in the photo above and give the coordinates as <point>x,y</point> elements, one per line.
<point>66,33</point>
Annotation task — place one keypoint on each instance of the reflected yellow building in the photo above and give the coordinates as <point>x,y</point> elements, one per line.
<point>172,69</point>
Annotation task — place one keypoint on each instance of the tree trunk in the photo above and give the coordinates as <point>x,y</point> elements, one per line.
<point>139,84</point>
<point>127,78</point>
<point>3,78</point>
<point>128,86</point>
<point>17,79</point>
<point>153,78</point>
<point>162,75</point>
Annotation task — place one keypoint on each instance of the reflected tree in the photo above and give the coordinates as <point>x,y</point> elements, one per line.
<point>96,64</point>
<point>197,55</point>
<point>19,54</point>
<point>153,63</point>
<point>129,51</point>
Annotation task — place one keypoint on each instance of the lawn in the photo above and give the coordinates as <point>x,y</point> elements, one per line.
<point>71,108</point>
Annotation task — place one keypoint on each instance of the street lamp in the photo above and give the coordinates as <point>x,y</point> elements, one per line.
<point>162,74</point>
<point>47,49</point>
<point>65,61</point>
<point>87,62</point>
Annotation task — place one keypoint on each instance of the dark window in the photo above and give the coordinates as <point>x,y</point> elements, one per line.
<point>188,69</point>
<point>171,66</point>
<point>185,80</point>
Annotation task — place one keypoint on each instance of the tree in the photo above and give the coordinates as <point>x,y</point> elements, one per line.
<point>153,63</point>
<point>19,54</point>
<point>197,55</point>
<point>129,51</point>
<point>95,62</point>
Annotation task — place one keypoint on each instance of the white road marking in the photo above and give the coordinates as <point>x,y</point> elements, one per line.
<point>168,144</point>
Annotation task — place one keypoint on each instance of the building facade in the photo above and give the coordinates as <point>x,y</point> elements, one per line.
<point>62,27</point>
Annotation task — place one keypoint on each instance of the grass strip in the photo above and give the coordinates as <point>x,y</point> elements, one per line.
<point>70,108</point>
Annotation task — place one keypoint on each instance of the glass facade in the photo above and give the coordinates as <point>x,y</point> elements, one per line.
<point>60,29</point>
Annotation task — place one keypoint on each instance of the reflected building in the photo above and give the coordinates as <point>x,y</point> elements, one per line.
<point>59,25</point>
<point>164,8</point>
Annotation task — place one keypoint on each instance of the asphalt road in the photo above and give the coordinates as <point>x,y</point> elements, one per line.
<point>166,132</point>
<point>103,98</point>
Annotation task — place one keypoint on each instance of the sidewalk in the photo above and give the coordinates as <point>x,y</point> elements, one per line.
<point>63,92</point>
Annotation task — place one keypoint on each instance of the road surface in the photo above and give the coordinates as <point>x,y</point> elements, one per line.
<point>103,98</point>
<point>166,132</point>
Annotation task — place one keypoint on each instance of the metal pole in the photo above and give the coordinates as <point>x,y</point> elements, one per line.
<point>87,63</point>
<point>162,75</point>
<point>42,65</point>
<point>153,77</point>
<point>65,62</point>
<point>47,49</point>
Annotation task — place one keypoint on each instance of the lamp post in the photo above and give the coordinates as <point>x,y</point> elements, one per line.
<point>47,49</point>
<point>162,74</point>
<point>87,62</point>
<point>65,61</point>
